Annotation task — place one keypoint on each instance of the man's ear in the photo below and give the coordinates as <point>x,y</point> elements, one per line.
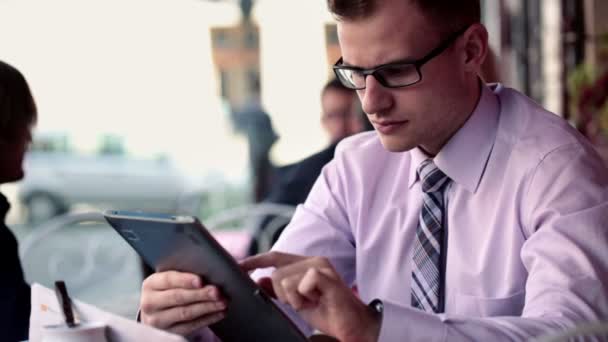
<point>475,47</point>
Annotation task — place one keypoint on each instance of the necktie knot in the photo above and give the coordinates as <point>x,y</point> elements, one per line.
<point>432,179</point>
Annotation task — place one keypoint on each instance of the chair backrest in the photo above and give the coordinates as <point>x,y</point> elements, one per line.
<point>249,219</point>
<point>97,265</point>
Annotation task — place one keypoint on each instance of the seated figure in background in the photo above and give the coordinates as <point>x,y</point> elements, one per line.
<point>17,115</point>
<point>341,117</point>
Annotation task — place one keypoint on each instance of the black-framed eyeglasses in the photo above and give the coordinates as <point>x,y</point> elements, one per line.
<point>391,75</point>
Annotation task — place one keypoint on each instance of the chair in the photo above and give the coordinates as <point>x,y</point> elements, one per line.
<point>97,265</point>
<point>247,219</point>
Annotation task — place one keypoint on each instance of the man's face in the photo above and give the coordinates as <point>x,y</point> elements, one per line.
<point>339,116</point>
<point>12,151</point>
<point>423,114</point>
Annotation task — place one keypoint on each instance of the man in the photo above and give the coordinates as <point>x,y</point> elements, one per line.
<point>472,214</point>
<point>254,123</point>
<point>17,115</point>
<point>340,118</point>
<point>340,111</point>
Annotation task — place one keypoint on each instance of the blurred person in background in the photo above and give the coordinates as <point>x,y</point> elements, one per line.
<point>341,117</point>
<point>17,116</point>
<point>252,121</point>
<point>341,114</point>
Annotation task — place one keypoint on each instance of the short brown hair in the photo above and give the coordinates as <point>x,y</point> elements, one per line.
<point>451,15</point>
<point>17,106</point>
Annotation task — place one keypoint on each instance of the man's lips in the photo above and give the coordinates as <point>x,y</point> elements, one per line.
<point>388,126</point>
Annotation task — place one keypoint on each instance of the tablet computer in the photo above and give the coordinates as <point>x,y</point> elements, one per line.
<point>182,243</point>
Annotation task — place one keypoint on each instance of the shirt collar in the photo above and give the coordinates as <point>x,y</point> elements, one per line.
<point>464,157</point>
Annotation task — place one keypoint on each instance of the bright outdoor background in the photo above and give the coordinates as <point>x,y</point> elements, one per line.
<point>132,110</point>
<point>137,100</point>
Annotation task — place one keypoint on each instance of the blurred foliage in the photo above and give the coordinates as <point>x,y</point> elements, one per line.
<point>603,117</point>
<point>588,91</point>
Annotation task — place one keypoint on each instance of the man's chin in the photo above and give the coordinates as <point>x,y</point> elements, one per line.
<point>392,144</point>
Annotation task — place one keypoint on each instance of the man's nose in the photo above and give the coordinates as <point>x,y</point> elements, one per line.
<point>375,97</point>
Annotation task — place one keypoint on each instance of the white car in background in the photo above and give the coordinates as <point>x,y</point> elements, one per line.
<point>55,181</point>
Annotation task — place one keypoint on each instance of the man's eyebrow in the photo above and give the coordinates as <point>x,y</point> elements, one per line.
<point>404,60</point>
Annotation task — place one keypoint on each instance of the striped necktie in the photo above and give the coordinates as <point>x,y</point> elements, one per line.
<point>426,263</point>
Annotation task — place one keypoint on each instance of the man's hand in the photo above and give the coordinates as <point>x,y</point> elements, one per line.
<point>313,288</point>
<point>180,302</point>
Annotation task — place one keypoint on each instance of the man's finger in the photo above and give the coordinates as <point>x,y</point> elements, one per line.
<point>159,300</point>
<point>278,289</point>
<point>270,259</point>
<point>329,272</point>
<point>184,314</point>
<point>302,266</point>
<point>189,327</point>
<point>314,283</point>
<point>312,296</point>
<point>290,289</point>
<point>172,280</point>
